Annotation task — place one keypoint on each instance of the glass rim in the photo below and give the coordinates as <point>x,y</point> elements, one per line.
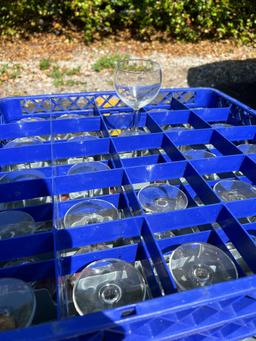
<point>152,62</point>
<point>144,289</point>
<point>233,181</point>
<point>221,125</point>
<point>81,203</point>
<point>208,245</point>
<point>210,154</point>
<point>249,145</point>
<point>23,173</point>
<point>19,213</point>
<point>31,291</point>
<point>169,186</point>
<point>88,163</point>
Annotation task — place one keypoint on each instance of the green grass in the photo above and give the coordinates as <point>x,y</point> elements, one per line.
<point>73,72</point>
<point>3,69</point>
<point>60,75</point>
<point>44,64</point>
<point>108,61</point>
<point>56,72</point>
<point>15,71</point>
<point>8,71</point>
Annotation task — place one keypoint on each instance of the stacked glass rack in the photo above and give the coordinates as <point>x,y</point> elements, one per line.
<point>72,208</point>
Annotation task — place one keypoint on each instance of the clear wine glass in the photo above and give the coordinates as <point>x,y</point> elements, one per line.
<point>199,264</point>
<point>247,148</point>
<point>106,284</point>
<point>158,198</point>
<point>137,83</point>
<point>23,175</point>
<point>194,154</point>
<point>90,211</point>
<point>221,125</point>
<point>17,304</point>
<point>84,168</point>
<point>230,190</point>
<point>23,142</point>
<point>16,223</point>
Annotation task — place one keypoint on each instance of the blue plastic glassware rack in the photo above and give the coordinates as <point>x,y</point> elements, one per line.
<point>224,311</point>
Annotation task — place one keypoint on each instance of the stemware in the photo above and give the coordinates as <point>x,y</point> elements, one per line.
<point>137,83</point>
<point>230,190</point>
<point>67,136</point>
<point>23,142</point>
<point>194,154</point>
<point>31,119</point>
<point>15,223</point>
<point>106,284</point>
<point>221,125</point>
<point>199,264</point>
<point>17,304</point>
<point>23,175</point>
<point>79,140</point>
<point>90,211</point>
<point>87,167</point>
<point>158,198</point>
<point>247,148</point>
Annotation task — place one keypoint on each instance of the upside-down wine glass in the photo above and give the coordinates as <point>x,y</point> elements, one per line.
<point>137,83</point>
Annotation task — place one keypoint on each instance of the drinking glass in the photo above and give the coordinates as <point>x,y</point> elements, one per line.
<point>158,198</point>
<point>70,116</point>
<point>67,136</point>
<point>90,211</point>
<point>106,284</point>
<point>177,127</point>
<point>23,142</point>
<point>23,176</point>
<point>17,304</point>
<point>15,223</point>
<point>87,167</point>
<point>137,83</point>
<point>194,154</point>
<point>31,119</point>
<point>199,264</point>
<point>79,159</point>
<point>247,148</point>
<point>230,190</point>
<point>221,125</point>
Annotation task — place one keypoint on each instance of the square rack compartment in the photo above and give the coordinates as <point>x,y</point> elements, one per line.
<point>45,143</point>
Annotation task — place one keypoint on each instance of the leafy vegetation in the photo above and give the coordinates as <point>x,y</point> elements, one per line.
<point>44,64</point>
<point>60,76</point>
<point>108,62</point>
<point>9,71</point>
<point>188,20</point>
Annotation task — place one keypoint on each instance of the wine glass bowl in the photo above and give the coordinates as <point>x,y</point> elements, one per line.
<point>90,211</point>
<point>230,190</point>
<point>194,154</point>
<point>247,148</point>
<point>137,82</point>
<point>107,283</point>
<point>17,303</point>
<point>200,264</point>
<point>158,198</point>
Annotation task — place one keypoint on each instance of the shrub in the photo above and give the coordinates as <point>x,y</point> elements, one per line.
<point>188,20</point>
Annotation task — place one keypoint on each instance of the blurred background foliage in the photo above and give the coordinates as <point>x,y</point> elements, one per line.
<point>188,20</point>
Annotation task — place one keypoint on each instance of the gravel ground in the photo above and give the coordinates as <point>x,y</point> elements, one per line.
<point>223,65</point>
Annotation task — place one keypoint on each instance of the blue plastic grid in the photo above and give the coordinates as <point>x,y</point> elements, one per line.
<point>225,311</point>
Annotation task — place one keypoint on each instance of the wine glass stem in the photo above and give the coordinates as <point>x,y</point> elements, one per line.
<point>136,120</point>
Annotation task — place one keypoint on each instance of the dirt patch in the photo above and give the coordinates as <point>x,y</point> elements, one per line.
<point>69,52</point>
